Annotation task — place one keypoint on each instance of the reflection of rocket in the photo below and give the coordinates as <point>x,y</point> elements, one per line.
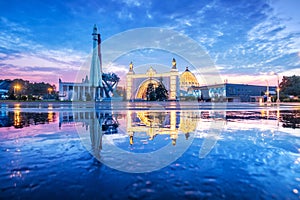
<point>96,68</point>
<point>95,134</point>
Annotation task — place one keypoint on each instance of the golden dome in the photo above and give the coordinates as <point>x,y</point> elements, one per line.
<point>188,79</point>
<point>188,122</point>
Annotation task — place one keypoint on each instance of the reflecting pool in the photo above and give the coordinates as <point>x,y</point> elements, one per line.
<point>149,151</point>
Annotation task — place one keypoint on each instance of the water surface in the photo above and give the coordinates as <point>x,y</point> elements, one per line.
<point>237,151</point>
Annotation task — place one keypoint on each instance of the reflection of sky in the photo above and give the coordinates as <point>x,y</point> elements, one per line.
<point>259,159</point>
<point>18,127</point>
<point>244,38</point>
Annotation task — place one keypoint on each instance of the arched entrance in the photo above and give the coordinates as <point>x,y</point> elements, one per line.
<point>137,84</point>
<point>142,89</point>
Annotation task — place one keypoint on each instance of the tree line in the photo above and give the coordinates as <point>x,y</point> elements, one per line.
<point>290,85</point>
<point>25,90</point>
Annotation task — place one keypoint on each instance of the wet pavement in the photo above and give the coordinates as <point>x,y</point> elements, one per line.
<point>149,151</point>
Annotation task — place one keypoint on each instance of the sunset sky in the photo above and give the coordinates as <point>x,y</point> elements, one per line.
<point>246,40</point>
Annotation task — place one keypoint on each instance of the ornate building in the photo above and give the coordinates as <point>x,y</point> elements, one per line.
<point>187,80</point>
<point>136,84</point>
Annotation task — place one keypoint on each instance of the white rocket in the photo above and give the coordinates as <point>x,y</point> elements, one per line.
<point>96,68</point>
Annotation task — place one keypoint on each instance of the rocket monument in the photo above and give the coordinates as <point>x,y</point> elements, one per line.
<point>96,66</point>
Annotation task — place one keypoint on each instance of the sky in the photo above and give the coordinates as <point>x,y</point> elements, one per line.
<point>249,42</point>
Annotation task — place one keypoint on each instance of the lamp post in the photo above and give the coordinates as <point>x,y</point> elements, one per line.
<point>268,92</point>
<point>277,89</point>
<point>16,87</point>
<point>49,92</point>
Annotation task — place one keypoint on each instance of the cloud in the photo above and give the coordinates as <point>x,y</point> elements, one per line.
<point>23,57</point>
<point>243,37</point>
<point>132,3</point>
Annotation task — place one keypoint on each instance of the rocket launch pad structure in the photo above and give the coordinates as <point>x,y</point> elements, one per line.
<point>98,86</point>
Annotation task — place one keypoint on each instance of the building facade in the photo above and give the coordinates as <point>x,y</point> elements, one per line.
<point>233,92</point>
<point>136,84</point>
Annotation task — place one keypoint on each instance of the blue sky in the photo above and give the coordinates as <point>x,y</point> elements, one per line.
<point>247,40</point>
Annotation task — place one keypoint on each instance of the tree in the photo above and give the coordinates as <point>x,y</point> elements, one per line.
<point>161,93</point>
<point>290,85</point>
<point>156,94</point>
<point>19,87</point>
<point>88,97</point>
<point>150,93</point>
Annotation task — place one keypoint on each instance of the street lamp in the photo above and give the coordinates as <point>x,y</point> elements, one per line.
<point>49,92</point>
<point>268,92</point>
<point>277,89</point>
<point>16,87</point>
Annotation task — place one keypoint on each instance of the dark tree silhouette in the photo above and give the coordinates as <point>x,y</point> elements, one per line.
<point>156,94</point>
<point>161,93</point>
<point>19,87</point>
<point>150,93</point>
<point>290,85</point>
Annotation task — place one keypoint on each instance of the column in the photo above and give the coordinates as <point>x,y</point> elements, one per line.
<point>173,85</point>
<point>83,94</point>
<point>129,86</point>
<point>68,92</point>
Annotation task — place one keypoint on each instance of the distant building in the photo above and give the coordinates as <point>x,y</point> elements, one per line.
<point>232,92</point>
<point>4,88</point>
<point>75,91</point>
<point>187,80</point>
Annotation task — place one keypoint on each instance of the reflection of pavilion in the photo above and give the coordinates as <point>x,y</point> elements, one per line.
<point>172,122</point>
<point>155,123</point>
<point>152,123</point>
<point>108,121</point>
<point>96,122</point>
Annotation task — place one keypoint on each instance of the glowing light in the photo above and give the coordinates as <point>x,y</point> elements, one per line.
<point>50,107</point>
<point>17,106</point>
<point>50,90</point>
<point>50,117</point>
<point>17,119</point>
<point>16,88</point>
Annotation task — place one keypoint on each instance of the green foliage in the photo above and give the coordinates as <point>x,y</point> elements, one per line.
<point>88,97</point>
<point>156,94</point>
<point>150,93</point>
<point>23,98</point>
<point>20,88</point>
<point>188,98</point>
<point>161,93</point>
<point>12,97</point>
<point>290,85</point>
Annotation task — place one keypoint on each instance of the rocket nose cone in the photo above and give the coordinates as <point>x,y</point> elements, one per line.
<point>95,28</point>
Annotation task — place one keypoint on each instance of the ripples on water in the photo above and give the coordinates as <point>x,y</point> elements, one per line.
<point>254,156</point>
